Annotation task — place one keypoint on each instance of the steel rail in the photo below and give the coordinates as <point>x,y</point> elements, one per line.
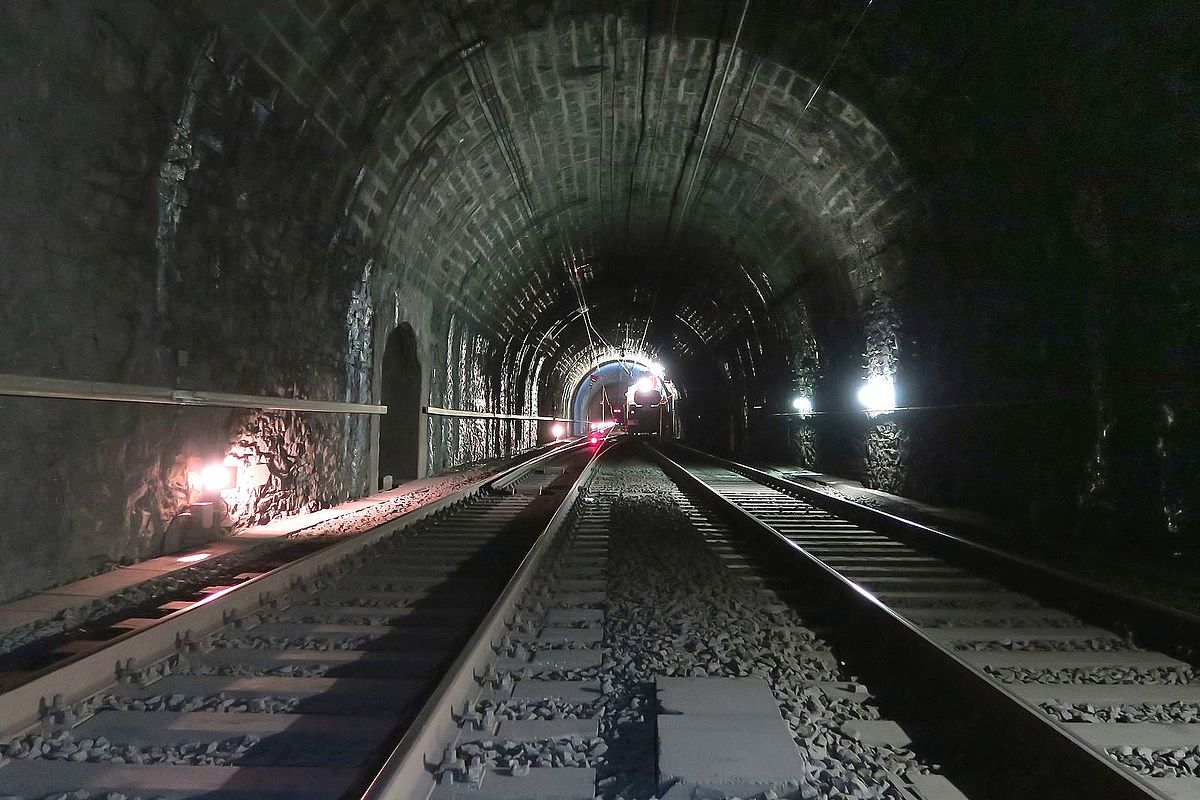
<point>57,687</point>
<point>1153,625</point>
<point>1011,748</point>
<point>407,774</point>
<point>66,389</point>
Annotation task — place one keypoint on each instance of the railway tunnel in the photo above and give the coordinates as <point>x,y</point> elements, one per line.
<point>259,260</point>
<point>984,214</point>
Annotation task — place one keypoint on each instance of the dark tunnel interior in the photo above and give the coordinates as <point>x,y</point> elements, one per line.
<point>978,220</point>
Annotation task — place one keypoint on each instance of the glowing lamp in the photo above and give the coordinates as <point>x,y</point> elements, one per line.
<point>216,478</point>
<point>658,369</point>
<point>878,395</point>
<point>558,430</point>
<point>643,385</point>
<point>594,439</point>
<point>803,405</point>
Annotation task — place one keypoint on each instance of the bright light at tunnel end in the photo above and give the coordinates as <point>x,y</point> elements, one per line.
<point>803,405</point>
<point>878,395</point>
<point>643,385</point>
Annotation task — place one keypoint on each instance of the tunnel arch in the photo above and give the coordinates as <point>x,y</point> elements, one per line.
<point>614,371</point>
<point>806,211</point>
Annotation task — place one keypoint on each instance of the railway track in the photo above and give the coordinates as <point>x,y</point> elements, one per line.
<point>1037,668</point>
<point>294,683</point>
<point>641,625</point>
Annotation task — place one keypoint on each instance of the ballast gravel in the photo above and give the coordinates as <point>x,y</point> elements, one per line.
<point>1000,622</point>
<point>674,609</point>
<point>64,746</point>
<point>1169,676</point>
<point>1105,645</point>
<point>1160,762</point>
<point>262,704</point>
<point>1123,712</point>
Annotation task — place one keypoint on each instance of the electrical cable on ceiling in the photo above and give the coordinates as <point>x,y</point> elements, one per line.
<point>813,96</point>
<point>775,155</point>
<point>487,95</point>
<point>712,118</point>
<point>687,152</point>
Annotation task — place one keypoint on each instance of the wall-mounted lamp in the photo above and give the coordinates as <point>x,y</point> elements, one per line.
<point>878,395</point>
<point>557,430</point>
<point>218,477</point>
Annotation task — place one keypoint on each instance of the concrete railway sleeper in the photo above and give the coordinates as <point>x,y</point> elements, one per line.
<point>298,689</point>
<point>997,675</point>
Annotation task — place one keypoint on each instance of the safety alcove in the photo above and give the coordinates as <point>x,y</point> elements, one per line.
<point>400,428</point>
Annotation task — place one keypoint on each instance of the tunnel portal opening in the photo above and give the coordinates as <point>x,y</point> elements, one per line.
<point>400,427</point>
<point>603,399</point>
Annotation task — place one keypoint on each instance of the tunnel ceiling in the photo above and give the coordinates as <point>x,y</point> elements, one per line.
<point>670,162</point>
<point>516,162</point>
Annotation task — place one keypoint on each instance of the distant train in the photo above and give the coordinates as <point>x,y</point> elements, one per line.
<point>649,409</point>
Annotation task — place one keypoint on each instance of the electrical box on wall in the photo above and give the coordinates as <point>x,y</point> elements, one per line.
<point>256,475</point>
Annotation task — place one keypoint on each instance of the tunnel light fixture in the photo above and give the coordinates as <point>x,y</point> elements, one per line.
<point>217,477</point>
<point>803,405</point>
<point>878,395</point>
<point>557,430</point>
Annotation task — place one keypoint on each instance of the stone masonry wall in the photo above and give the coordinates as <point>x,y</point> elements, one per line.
<point>167,219</point>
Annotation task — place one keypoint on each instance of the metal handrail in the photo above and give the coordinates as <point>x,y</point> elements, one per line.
<point>66,389</point>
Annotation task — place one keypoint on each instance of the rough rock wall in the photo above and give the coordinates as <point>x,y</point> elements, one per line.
<point>167,219</point>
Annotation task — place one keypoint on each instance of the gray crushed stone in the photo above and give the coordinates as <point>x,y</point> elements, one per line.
<point>263,704</point>
<point>1160,762</point>
<point>999,622</point>
<point>516,758</point>
<point>1123,712</point>
<point>64,746</point>
<point>1173,676</point>
<point>1101,645</point>
<point>675,609</point>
